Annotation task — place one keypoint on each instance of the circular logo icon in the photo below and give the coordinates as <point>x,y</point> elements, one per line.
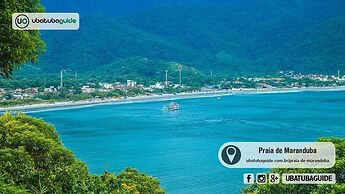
<point>229,155</point>
<point>22,21</point>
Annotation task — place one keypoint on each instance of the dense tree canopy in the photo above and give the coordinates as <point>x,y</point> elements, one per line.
<point>256,37</point>
<point>33,160</point>
<point>17,46</point>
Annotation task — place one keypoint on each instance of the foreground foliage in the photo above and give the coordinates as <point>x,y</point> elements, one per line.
<point>17,46</point>
<point>338,169</point>
<point>33,160</point>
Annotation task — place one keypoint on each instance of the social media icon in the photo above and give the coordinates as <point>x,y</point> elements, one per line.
<point>261,178</point>
<point>274,178</point>
<point>248,178</point>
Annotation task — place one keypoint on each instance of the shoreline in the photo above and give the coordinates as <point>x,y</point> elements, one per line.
<point>163,97</point>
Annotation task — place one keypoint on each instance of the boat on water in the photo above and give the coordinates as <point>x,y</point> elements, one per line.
<point>171,106</point>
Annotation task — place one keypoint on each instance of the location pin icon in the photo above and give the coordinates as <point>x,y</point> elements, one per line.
<point>231,153</point>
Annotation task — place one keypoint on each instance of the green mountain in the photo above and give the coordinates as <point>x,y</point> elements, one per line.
<point>102,40</point>
<point>145,70</point>
<point>319,50</point>
<point>258,37</point>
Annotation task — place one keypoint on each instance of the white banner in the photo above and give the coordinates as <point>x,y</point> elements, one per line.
<point>277,155</point>
<point>45,21</point>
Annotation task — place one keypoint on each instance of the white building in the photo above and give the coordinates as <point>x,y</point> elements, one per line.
<point>157,86</point>
<point>131,83</point>
<point>87,89</point>
<point>50,89</point>
<point>107,85</point>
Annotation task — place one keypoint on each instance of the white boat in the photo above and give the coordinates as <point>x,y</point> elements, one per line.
<point>172,106</point>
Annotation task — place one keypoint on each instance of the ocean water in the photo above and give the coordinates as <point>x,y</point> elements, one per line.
<point>180,148</point>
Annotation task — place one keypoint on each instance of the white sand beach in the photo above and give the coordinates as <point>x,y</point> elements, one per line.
<point>163,97</point>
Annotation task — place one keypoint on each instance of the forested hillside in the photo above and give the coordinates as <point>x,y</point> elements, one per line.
<point>248,37</point>
<point>319,50</point>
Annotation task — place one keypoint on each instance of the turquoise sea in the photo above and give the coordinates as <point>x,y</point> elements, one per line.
<point>180,148</point>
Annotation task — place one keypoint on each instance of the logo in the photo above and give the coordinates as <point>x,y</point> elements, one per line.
<point>229,155</point>
<point>22,21</point>
<point>274,178</point>
<point>261,178</point>
<point>45,21</point>
<point>309,178</point>
<point>248,178</point>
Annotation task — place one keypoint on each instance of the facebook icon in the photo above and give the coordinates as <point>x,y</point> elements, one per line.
<point>248,178</point>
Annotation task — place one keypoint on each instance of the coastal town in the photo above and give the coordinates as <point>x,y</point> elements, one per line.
<point>131,88</point>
